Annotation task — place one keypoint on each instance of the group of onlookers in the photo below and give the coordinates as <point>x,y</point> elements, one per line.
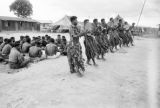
<point>19,53</point>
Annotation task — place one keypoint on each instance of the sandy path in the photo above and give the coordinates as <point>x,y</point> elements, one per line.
<point>119,82</point>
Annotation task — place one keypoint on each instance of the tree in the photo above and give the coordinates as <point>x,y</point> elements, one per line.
<point>21,8</point>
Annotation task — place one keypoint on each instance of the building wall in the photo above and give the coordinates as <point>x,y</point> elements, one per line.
<point>19,26</point>
<point>8,26</point>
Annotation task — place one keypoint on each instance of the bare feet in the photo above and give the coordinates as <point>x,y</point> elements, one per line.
<point>88,63</point>
<point>80,73</point>
<point>95,64</point>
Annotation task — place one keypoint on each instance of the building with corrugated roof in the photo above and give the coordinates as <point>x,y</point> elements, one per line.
<point>45,25</point>
<point>18,24</point>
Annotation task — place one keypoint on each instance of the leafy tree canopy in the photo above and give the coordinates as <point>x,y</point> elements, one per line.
<point>21,8</point>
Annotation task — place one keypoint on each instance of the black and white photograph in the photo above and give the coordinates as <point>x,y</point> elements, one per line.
<point>79,53</point>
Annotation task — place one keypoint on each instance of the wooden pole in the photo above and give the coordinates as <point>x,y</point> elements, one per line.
<point>141,12</point>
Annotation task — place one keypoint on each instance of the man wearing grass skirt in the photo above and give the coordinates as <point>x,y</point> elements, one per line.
<point>74,49</point>
<point>89,43</point>
<point>97,32</point>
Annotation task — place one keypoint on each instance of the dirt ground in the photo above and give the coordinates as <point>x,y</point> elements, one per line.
<point>124,80</point>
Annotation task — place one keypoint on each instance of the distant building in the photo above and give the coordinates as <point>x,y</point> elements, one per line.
<point>45,25</point>
<point>18,24</point>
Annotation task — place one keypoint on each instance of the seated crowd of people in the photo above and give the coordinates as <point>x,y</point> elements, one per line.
<point>19,54</point>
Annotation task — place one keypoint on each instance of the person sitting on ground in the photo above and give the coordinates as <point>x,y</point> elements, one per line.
<point>33,40</point>
<point>35,50</point>
<point>43,42</point>
<point>39,38</point>
<point>63,47</point>
<point>16,59</point>
<point>6,49</point>
<point>22,40</point>
<point>12,40</point>
<point>1,40</point>
<point>58,40</point>
<point>26,45</point>
<point>51,48</point>
<point>64,40</point>
<point>48,38</point>
<point>28,37</point>
<point>3,44</point>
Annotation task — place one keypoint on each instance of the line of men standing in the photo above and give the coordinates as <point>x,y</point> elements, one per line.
<point>98,40</point>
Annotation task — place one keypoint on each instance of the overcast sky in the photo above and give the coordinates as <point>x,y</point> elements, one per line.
<point>56,9</point>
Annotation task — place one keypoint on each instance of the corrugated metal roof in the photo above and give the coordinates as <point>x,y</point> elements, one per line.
<point>6,18</point>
